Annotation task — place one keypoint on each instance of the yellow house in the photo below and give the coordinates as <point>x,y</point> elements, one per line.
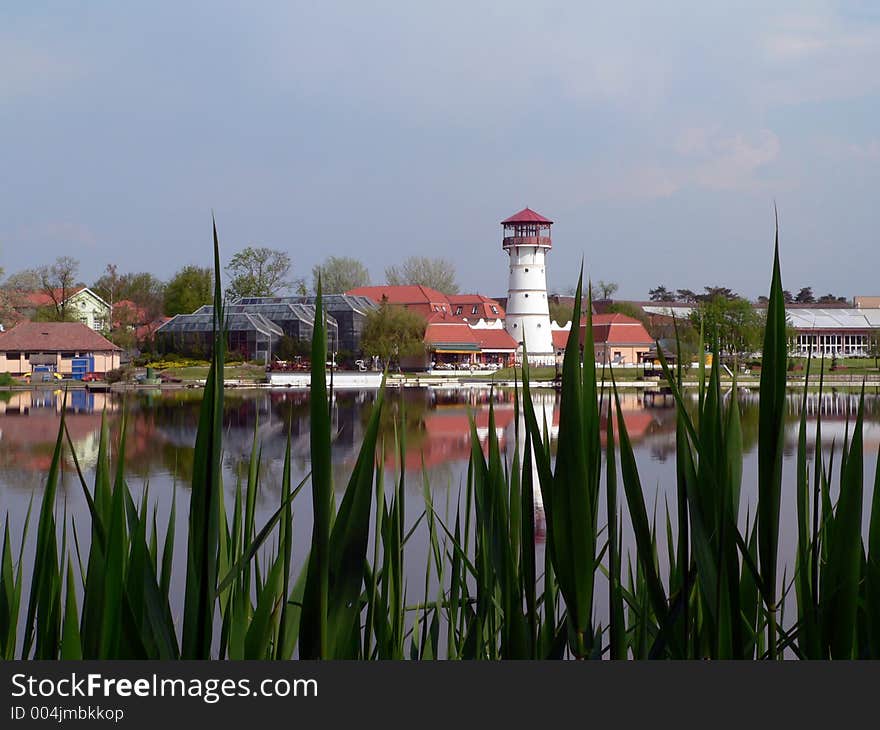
<point>80,305</point>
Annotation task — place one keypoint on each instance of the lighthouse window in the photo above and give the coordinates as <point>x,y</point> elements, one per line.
<point>539,324</point>
<point>527,296</point>
<point>515,325</point>
<point>527,271</point>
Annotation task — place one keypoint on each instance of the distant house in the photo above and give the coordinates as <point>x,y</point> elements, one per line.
<point>69,348</point>
<point>617,339</point>
<point>80,305</point>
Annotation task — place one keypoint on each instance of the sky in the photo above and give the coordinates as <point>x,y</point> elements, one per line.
<point>657,136</point>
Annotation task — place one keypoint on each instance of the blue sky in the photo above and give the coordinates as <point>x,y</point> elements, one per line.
<point>656,135</point>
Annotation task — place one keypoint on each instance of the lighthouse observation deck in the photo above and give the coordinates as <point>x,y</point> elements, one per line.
<point>517,240</point>
<point>527,228</point>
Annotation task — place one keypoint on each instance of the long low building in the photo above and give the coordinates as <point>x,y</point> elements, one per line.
<point>843,332</point>
<point>69,348</point>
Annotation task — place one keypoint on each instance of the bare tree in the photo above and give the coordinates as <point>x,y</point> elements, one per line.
<point>436,273</point>
<point>606,289</point>
<point>58,282</point>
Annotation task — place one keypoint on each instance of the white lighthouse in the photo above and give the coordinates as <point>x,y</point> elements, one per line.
<point>527,241</point>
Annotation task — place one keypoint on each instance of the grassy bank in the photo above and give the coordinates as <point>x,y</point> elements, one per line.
<point>718,593</point>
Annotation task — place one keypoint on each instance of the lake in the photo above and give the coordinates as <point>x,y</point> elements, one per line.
<point>161,428</point>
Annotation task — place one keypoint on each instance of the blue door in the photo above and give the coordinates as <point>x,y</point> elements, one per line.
<point>79,367</point>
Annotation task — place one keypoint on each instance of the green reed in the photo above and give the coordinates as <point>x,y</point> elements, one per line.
<point>485,594</point>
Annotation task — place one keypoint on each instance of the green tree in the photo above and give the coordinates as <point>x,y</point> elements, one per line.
<point>189,289</point>
<point>874,348</point>
<point>661,294</point>
<point>437,273</point>
<point>559,312</point>
<point>258,272</point>
<point>339,274</point>
<point>735,323</point>
<point>393,332</point>
<point>805,296</point>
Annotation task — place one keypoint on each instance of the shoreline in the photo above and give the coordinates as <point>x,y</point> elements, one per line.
<point>433,381</point>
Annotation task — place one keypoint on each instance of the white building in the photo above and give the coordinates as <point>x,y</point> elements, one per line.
<point>527,241</point>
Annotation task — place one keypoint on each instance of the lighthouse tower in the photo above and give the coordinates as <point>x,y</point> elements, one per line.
<point>527,241</point>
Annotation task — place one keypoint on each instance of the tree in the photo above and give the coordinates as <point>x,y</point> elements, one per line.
<point>805,296</point>
<point>559,312</point>
<point>787,296</point>
<point>832,299</point>
<point>606,289</point>
<point>686,295</point>
<point>13,295</point>
<point>58,282</point>
<point>874,348</point>
<point>435,273</point>
<point>734,323</point>
<point>392,332</point>
<point>340,274</point>
<point>141,288</point>
<point>661,294</point>
<point>713,292</point>
<point>258,272</point>
<point>189,289</point>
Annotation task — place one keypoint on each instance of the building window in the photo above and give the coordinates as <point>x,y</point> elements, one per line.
<point>494,310</point>
<point>474,310</point>
<point>13,355</point>
<point>458,311</point>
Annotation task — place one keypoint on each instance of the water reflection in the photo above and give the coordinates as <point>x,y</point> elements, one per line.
<point>436,424</point>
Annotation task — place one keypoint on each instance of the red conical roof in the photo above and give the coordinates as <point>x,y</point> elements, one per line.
<point>526,215</point>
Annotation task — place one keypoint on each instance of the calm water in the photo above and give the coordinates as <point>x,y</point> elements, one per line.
<point>162,425</point>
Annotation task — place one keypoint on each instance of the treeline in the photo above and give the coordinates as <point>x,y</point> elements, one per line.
<point>804,296</point>
<point>252,272</point>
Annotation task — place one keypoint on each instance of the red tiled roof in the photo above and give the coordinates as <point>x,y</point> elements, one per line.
<point>421,299</point>
<point>484,305</point>
<point>451,334</point>
<point>409,294</point>
<point>53,337</point>
<point>560,338</point>
<point>526,215</point>
<point>618,329</point>
<point>494,339</point>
